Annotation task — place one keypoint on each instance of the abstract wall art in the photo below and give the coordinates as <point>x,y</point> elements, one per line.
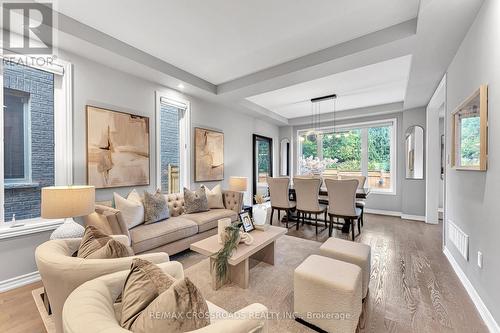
<point>209,155</point>
<point>117,148</point>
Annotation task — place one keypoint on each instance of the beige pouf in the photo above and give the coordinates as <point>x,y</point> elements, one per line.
<point>327,293</point>
<point>352,252</point>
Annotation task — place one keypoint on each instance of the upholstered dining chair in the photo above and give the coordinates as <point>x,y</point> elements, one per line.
<point>342,202</point>
<point>307,198</point>
<point>359,203</point>
<point>91,308</point>
<point>62,273</point>
<point>280,200</point>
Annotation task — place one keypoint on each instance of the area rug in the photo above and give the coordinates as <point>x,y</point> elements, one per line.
<point>269,285</point>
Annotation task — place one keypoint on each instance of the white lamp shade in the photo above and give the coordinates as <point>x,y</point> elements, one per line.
<point>238,184</point>
<point>67,201</point>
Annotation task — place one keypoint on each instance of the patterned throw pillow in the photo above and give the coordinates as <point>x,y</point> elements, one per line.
<point>155,207</point>
<point>195,201</point>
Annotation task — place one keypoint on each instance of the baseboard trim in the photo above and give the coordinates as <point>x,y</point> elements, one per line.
<point>476,299</point>
<point>413,217</point>
<point>382,212</point>
<point>19,281</point>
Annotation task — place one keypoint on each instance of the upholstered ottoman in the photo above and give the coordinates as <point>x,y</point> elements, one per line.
<point>327,294</point>
<point>352,252</point>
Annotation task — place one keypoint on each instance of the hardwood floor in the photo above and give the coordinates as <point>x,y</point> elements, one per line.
<point>18,313</point>
<point>412,287</point>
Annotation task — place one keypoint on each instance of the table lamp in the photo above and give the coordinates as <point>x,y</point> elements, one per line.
<point>67,202</point>
<point>238,184</point>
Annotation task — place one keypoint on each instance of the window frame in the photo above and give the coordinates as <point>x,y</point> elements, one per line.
<point>174,98</point>
<point>63,138</point>
<point>27,140</point>
<point>363,127</point>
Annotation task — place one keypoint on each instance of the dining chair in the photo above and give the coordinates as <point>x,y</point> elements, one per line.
<point>342,203</point>
<point>280,200</point>
<point>359,203</point>
<point>306,196</point>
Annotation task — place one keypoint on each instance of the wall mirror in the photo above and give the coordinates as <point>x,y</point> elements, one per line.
<point>469,147</point>
<point>285,157</point>
<point>414,145</point>
<point>262,164</point>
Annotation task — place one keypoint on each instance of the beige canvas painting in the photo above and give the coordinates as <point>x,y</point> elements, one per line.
<point>209,155</point>
<point>117,148</point>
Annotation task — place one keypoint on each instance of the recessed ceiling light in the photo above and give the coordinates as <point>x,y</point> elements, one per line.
<point>180,86</point>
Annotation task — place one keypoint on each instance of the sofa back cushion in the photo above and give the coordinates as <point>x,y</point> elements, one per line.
<point>175,203</point>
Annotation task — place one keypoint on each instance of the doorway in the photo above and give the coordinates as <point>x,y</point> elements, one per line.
<point>435,196</point>
<point>262,164</point>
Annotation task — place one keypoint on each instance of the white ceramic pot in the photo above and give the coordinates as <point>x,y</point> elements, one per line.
<point>261,213</point>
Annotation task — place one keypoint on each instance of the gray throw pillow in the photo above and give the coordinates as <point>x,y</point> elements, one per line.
<point>155,207</point>
<point>195,201</point>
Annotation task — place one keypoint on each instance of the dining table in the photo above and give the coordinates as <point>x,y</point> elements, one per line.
<point>361,193</point>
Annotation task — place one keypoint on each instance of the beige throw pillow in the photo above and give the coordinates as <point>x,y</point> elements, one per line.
<point>181,308</point>
<point>143,284</point>
<point>132,208</point>
<point>214,197</point>
<point>97,245</point>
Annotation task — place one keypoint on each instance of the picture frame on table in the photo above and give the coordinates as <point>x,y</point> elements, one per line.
<point>247,222</point>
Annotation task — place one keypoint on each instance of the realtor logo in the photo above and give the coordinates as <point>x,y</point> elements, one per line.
<point>32,22</point>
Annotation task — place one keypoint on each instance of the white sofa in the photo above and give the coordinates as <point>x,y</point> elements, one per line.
<point>91,308</point>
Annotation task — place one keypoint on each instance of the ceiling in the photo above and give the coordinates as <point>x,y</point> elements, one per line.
<point>380,83</point>
<point>268,58</point>
<point>220,40</point>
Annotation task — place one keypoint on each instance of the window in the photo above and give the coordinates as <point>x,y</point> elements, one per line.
<point>379,158</point>
<point>172,144</point>
<point>36,129</point>
<point>359,149</point>
<point>16,136</point>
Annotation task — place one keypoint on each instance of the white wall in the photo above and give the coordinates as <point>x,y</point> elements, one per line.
<point>472,197</point>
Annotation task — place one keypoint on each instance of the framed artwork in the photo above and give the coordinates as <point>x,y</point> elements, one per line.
<point>208,155</point>
<point>117,148</point>
<point>469,146</point>
<point>247,222</point>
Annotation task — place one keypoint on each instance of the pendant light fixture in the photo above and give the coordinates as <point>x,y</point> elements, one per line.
<point>316,114</point>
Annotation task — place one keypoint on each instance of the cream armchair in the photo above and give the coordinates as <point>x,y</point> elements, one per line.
<point>61,273</point>
<point>91,309</point>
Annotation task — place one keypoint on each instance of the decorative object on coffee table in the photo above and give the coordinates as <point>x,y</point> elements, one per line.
<point>222,224</point>
<point>247,222</point>
<point>208,155</point>
<point>230,240</point>
<point>117,148</point>
<point>261,249</point>
<point>260,212</point>
<point>67,202</point>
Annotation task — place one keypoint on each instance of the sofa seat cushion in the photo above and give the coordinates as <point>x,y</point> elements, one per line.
<point>149,236</point>
<point>208,220</point>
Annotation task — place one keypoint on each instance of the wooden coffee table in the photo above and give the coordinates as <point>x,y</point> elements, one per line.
<point>262,249</point>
